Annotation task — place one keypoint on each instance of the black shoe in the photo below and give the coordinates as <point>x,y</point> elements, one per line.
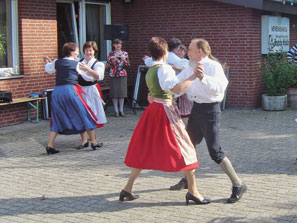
<point>237,193</point>
<point>182,184</point>
<point>98,145</point>
<point>130,197</point>
<point>83,146</point>
<point>122,114</point>
<point>116,114</point>
<point>50,150</point>
<point>190,197</point>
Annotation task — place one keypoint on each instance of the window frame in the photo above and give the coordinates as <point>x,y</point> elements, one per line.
<point>14,70</point>
<point>81,34</point>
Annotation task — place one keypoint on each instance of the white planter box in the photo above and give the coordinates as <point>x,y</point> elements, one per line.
<point>274,103</point>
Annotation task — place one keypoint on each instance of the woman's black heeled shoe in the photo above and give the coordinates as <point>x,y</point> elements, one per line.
<point>190,197</point>
<point>94,146</point>
<point>129,196</point>
<point>83,146</point>
<point>50,150</point>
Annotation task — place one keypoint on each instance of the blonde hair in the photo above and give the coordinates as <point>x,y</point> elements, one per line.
<point>204,46</point>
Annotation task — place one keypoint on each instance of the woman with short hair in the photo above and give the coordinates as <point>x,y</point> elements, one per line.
<point>160,140</point>
<point>69,113</point>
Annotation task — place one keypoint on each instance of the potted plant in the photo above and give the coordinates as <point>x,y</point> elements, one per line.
<point>277,76</point>
<point>292,91</point>
<point>2,44</point>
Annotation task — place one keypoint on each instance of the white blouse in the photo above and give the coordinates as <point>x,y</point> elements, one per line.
<point>50,67</point>
<point>99,67</point>
<point>166,76</point>
<point>172,59</point>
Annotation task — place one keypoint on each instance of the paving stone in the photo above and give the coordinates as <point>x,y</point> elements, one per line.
<point>84,185</point>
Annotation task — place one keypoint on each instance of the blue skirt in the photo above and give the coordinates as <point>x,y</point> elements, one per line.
<point>68,113</point>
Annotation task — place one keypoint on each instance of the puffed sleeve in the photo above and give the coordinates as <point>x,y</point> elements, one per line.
<point>167,77</point>
<point>149,62</point>
<point>100,69</point>
<point>50,67</point>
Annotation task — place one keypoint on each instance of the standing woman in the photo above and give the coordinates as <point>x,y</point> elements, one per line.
<point>117,61</point>
<point>88,80</point>
<point>69,113</point>
<point>160,140</point>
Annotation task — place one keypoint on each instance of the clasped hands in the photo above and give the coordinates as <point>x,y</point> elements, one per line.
<point>199,71</point>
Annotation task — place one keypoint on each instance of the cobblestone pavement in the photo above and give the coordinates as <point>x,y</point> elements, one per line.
<point>83,186</point>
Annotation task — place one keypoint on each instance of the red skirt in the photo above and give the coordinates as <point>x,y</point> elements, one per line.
<point>158,145</point>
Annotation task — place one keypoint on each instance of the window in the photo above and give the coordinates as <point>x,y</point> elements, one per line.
<point>9,56</point>
<point>81,21</point>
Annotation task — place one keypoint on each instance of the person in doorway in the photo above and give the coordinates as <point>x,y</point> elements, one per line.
<point>160,141</point>
<point>88,80</point>
<point>207,91</point>
<point>117,61</point>
<point>69,113</point>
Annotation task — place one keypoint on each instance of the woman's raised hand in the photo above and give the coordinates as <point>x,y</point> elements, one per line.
<point>46,59</point>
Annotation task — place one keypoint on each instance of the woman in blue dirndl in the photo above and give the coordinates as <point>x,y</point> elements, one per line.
<point>70,114</point>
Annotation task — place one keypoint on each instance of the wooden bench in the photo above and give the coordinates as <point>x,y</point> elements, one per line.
<point>30,104</point>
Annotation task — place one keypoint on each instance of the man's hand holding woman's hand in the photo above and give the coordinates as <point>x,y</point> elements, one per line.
<point>199,71</point>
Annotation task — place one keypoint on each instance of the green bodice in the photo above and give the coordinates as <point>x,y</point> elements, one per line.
<point>152,82</point>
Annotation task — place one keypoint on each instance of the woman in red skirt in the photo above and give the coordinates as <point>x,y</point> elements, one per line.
<point>160,140</point>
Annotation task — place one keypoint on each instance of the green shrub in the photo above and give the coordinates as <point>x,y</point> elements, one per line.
<point>278,74</point>
<point>2,44</point>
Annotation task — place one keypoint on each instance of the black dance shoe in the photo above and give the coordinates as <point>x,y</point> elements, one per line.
<point>50,150</point>
<point>83,146</point>
<point>95,146</point>
<point>122,114</point>
<point>182,184</point>
<point>129,197</point>
<point>190,197</point>
<point>237,193</point>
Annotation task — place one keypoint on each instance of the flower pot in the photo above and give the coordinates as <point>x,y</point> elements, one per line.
<point>274,103</point>
<point>292,97</point>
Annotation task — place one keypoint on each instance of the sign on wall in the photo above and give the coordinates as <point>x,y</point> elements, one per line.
<point>275,34</point>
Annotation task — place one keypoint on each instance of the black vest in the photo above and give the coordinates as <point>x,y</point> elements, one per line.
<point>83,82</point>
<point>66,72</point>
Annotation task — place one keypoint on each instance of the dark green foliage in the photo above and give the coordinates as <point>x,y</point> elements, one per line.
<point>278,74</point>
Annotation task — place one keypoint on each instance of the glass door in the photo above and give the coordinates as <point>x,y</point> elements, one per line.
<point>67,25</point>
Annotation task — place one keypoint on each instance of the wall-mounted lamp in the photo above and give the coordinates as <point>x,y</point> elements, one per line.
<point>128,1</point>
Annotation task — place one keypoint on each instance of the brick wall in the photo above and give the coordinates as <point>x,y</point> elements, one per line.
<point>234,33</point>
<point>37,38</point>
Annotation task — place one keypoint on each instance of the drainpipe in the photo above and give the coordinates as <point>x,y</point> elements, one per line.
<point>82,24</point>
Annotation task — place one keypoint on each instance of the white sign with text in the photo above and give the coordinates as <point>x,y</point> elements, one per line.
<point>275,34</point>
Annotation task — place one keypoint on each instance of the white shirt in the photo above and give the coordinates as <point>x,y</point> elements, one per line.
<point>50,67</point>
<point>166,76</point>
<point>172,59</point>
<point>212,86</point>
<point>99,67</point>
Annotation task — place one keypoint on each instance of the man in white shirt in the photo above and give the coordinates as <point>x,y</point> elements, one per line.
<point>175,61</point>
<point>207,91</point>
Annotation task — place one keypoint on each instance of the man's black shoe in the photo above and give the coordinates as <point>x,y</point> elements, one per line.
<point>182,184</point>
<point>237,193</point>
